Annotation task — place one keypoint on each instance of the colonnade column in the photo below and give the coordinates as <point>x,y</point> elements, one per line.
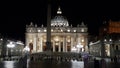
<point>86,44</point>
<point>102,49</point>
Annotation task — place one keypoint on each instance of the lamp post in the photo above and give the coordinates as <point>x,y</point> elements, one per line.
<point>10,46</point>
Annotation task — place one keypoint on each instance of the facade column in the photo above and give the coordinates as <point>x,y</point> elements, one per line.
<point>36,40</point>
<point>34,44</point>
<point>111,50</point>
<point>78,40</point>
<point>63,44</point>
<point>37,43</point>
<point>59,47</point>
<point>66,44</point>
<point>71,42</point>
<point>53,46</point>
<point>75,40</point>
<point>41,44</point>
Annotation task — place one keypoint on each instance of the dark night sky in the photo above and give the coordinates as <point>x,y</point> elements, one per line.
<point>18,14</point>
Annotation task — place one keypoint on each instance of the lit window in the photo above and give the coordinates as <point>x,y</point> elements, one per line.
<point>45,30</point>
<point>68,40</point>
<point>52,30</point>
<point>56,43</point>
<point>59,12</point>
<point>82,40</point>
<point>11,50</point>
<point>44,40</point>
<point>1,39</point>
<point>61,30</point>
<point>105,40</point>
<point>110,40</point>
<point>51,24</point>
<point>105,29</point>
<point>30,30</point>
<point>31,40</point>
<point>38,30</point>
<point>82,30</point>
<point>74,30</point>
<point>68,30</point>
<point>56,39</point>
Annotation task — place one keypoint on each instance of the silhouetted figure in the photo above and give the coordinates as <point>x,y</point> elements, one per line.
<point>96,63</point>
<point>112,59</point>
<point>103,63</point>
<point>115,59</point>
<point>86,64</point>
<point>31,59</point>
<point>24,61</point>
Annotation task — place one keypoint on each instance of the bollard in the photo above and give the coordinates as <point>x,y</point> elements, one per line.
<point>96,63</point>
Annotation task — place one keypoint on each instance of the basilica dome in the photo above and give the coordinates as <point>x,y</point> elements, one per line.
<point>59,20</point>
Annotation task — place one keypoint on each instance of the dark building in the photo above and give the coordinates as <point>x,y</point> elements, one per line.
<point>10,48</point>
<point>108,44</point>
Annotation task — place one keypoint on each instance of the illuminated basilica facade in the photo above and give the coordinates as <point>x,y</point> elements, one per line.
<point>64,38</point>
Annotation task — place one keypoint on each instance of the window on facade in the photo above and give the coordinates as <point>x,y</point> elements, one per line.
<point>82,30</point>
<point>45,30</point>
<point>68,30</point>
<point>61,30</point>
<point>38,30</point>
<point>56,43</point>
<point>82,40</point>
<point>51,30</point>
<point>74,30</point>
<point>30,30</point>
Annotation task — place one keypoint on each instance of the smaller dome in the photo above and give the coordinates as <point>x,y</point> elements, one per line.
<point>59,20</point>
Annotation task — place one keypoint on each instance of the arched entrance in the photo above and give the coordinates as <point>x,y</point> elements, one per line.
<point>31,47</point>
<point>56,48</point>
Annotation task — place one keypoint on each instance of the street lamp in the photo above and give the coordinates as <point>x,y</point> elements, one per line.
<point>10,45</point>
